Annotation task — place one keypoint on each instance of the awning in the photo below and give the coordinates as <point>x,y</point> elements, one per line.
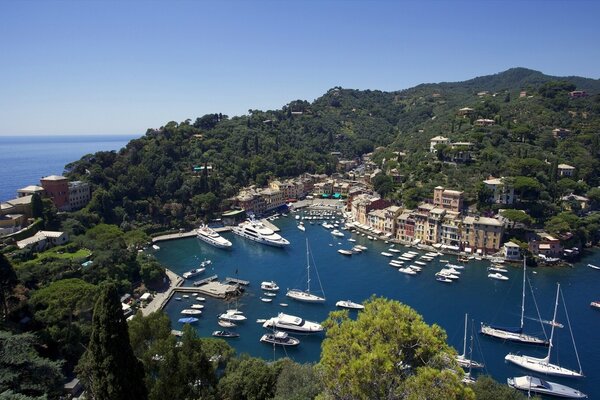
<point>468,250</point>
<point>388,235</point>
<point>375,231</point>
<point>450,247</point>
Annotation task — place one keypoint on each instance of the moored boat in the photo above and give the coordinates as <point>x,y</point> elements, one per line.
<point>531,384</point>
<point>292,323</point>
<point>269,286</point>
<point>407,271</point>
<point>226,324</point>
<point>279,338</point>
<point>225,334</point>
<point>595,304</point>
<point>498,276</point>
<point>193,272</point>
<point>188,320</point>
<point>386,254</point>
<point>211,237</point>
<point>189,311</point>
<point>266,299</point>
<point>306,295</point>
<point>349,304</point>
<point>345,252</point>
<point>258,232</point>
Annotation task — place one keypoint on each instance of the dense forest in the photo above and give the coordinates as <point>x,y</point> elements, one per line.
<point>161,181</point>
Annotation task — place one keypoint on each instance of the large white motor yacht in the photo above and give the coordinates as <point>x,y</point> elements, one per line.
<point>211,237</point>
<point>258,232</point>
<point>292,323</point>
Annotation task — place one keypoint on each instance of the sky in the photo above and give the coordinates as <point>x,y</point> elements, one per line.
<point>121,67</point>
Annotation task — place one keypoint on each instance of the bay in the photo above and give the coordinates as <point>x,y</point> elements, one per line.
<point>361,276</point>
<point>26,159</point>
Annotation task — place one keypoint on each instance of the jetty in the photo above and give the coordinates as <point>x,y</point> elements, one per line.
<point>236,281</point>
<point>205,280</point>
<point>181,235</point>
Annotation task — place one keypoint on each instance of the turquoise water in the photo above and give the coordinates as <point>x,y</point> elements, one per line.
<point>25,159</point>
<point>361,276</point>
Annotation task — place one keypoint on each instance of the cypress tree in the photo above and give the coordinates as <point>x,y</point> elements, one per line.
<point>109,366</point>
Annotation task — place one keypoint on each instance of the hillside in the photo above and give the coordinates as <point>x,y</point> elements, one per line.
<point>151,183</point>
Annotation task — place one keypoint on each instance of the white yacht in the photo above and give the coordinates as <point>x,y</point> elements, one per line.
<point>211,237</point>
<point>292,323</point>
<point>232,316</point>
<point>335,232</point>
<point>537,385</point>
<point>498,276</point>
<point>306,295</point>
<point>543,365</point>
<point>269,286</point>
<point>193,272</point>
<point>349,304</point>
<point>258,232</point>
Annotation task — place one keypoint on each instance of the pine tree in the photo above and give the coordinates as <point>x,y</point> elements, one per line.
<point>8,281</point>
<point>109,367</point>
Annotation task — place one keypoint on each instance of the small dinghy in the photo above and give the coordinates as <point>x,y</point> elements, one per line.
<point>225,334</point>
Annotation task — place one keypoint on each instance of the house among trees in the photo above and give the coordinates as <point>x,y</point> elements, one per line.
<point>581,201</point>
<point>565,170</point>
<point>502,193</point>
<point>546,245</point>
<point>560,133</point>
<point>484,122</point>
<point>44,240</point>
<point>577,93</point>
<point>465,112</point>
<point>433,142</point>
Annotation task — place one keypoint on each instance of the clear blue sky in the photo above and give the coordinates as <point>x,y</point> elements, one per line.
<point>83,67</point>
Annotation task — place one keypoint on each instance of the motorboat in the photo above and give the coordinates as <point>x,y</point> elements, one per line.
<point>514,335</point>
<point>269,286</point>
<point>455,266</point>
<point>200,298</point>
<point>352,240</point>
<point>258,232</point>
<point>593,266</point>
<point>306,295</point>
<point>446,274</point>
<point>197,306</point>
<point>462,359</point>
<point>261,320</point>
<point>270,294</point>
<point>211,237</point>
<point>407,271</point>
<point>337,233</point>
<point>188,320</point>
<point>189,311</point>
<point>420,263</point>
<point>155,247</point>
<point>360,246</point>
<point>498,276</point>
<point>186,296</point>
<point>225,334</point>
<point>531,384</point>
<point>443,279</point>
<point>415,268</point>
<point>279,338</point>
<point>232,317</point>
<point>349,304</point>
<point>543,365</point>
<point>595,304</point>
<point>345,252</point>
<point>396,264</point>
<point>357,249</point>
<point>292,323</point>
<point>193,272</point>
<point>226,324</point>
<point>301,227</point>
<point>394,250</point>
<point>386,254</point>
<point>283,304</point>
<point>497,269</point>
<point>266,299</point>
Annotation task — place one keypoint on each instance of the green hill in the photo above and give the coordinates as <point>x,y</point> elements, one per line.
<point>151,183</point>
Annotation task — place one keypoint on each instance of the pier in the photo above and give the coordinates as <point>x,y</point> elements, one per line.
<point>236,281</point>
<point>205,280</point>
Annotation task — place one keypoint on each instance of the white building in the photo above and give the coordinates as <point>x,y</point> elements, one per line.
<point>503,193</point>
<point>433,142</point>
<point>512,251</point>
<point>43,240</point>
<point>80,195</point>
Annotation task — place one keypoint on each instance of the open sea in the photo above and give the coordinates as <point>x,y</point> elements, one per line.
<point>361,276</point>
<point>26,159</point>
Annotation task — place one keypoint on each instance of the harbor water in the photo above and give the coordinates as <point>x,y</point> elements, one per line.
<point>361,276</point>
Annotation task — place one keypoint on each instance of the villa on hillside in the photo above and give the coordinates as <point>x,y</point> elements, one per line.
<point>502,193</point>
<point>565,170</point>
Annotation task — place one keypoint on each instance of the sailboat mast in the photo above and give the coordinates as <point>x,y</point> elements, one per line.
<point>307,269</point>
<point>523,296</point>
<point>553,322</point>
<point>465,338</point>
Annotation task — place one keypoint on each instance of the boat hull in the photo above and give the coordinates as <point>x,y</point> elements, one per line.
<point>260,240</point>
<point>512,336</point>
<point>533,385</point>
<point>541,366</point>
<point>304,296</point>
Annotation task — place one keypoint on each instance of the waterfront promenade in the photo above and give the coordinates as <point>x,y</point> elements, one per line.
<point>160,299</point>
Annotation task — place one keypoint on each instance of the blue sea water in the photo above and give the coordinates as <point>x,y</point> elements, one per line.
<point>26,159</point>
<point>361,276</point>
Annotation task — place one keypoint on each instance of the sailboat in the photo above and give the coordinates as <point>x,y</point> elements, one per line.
<point>462,359</point>
<point>306,295</point>
<point>543,365</point>
<point>514,335</point>
<point>468,378</point>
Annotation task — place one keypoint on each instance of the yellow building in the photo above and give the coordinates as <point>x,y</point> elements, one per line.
<point>482,233</point>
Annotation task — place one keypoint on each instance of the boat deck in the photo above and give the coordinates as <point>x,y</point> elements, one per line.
<point>269,225</point>
<point>180,235</point>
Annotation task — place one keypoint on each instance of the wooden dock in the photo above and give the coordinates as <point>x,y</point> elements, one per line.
<point>205,280</point>
<point>236,281</point>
